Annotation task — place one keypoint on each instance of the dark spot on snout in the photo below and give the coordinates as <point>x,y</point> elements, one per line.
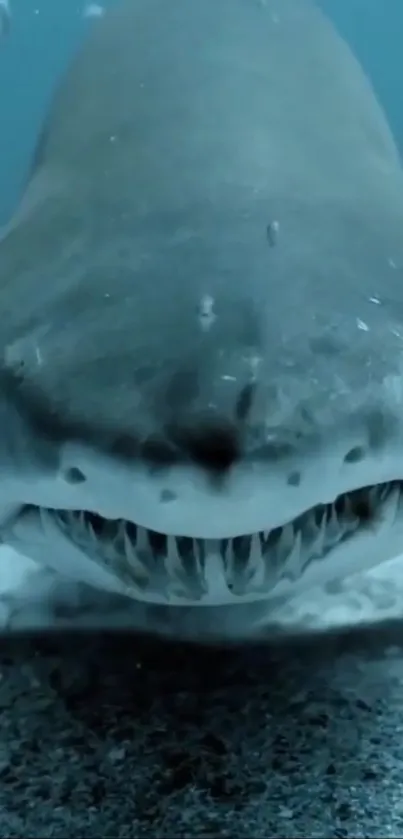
<point>212,444</point>
<point>214,448</point>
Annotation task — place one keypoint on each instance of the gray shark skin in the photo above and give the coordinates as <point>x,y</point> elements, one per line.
<point>201,302</point>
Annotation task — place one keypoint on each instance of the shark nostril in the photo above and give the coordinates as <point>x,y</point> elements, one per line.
<point>355,454</point>
<point>73,475</point>
<point>294,479</point>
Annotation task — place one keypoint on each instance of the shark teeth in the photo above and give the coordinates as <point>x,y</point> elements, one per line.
<point>184,567</point>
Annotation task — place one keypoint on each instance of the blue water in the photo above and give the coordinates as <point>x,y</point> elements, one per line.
<point>45,33</point>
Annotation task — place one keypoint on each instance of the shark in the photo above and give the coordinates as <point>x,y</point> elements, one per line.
<point>201,298</point>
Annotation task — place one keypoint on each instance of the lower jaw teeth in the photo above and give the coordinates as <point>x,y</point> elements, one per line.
<point>181,566</point>
<point>163,568</point>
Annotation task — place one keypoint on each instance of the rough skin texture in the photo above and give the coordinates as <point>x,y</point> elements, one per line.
<point>115,736</point>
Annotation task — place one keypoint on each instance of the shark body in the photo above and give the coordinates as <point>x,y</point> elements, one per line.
<point>201,303</point>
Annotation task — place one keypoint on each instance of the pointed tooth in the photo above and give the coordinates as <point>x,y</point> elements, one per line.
<point>323,521</point>
<point>349,513</point>
<point>286,540</point>
<point>201,557</point>
<point>173,565</point>
<point>255,550</point>
<point>230,556</point>
<point>333,528</point>
<point>374,495</point>
<point>73,524</point>
<point>73,520</point>
<point>198,555</point>
<point>173,550</point>
<point>258,568</point>
<point>334,519</point>
<point>294,558</point>
<point>388,511</point>
<point>43,517</point>
<point>348,509</point>
<point>317,546</point>
<point>384,491</point>
<point>318,520</point>
<point>138,572</point>
<point>82,525</point>
<point>142,543</point>
<point>173,556</point>
<point>223,548</point>
<point>117,532</point>
<point>130,550</point>
<point>91,532</point>
<point>121,529</point>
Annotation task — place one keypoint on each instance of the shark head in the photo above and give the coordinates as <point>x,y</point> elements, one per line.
<point>201,302</point>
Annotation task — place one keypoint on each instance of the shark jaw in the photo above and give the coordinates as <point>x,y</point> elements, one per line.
<point>327,542</point>
<point>174,536</point>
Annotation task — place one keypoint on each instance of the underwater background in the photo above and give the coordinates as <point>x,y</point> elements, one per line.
<point>111,736</point>
<point>45,33</point>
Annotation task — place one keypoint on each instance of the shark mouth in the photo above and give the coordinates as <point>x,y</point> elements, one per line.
<point>169,569</point>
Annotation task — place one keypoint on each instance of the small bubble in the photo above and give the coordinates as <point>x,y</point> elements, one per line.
<point>93,10</point>
<point>286,813</point>
<point>253,361</point>
<point>272,232</point>
<point>207,315</point>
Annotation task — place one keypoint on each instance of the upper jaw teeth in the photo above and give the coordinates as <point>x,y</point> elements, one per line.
<point>387,511</point>
<point>249,565</point>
